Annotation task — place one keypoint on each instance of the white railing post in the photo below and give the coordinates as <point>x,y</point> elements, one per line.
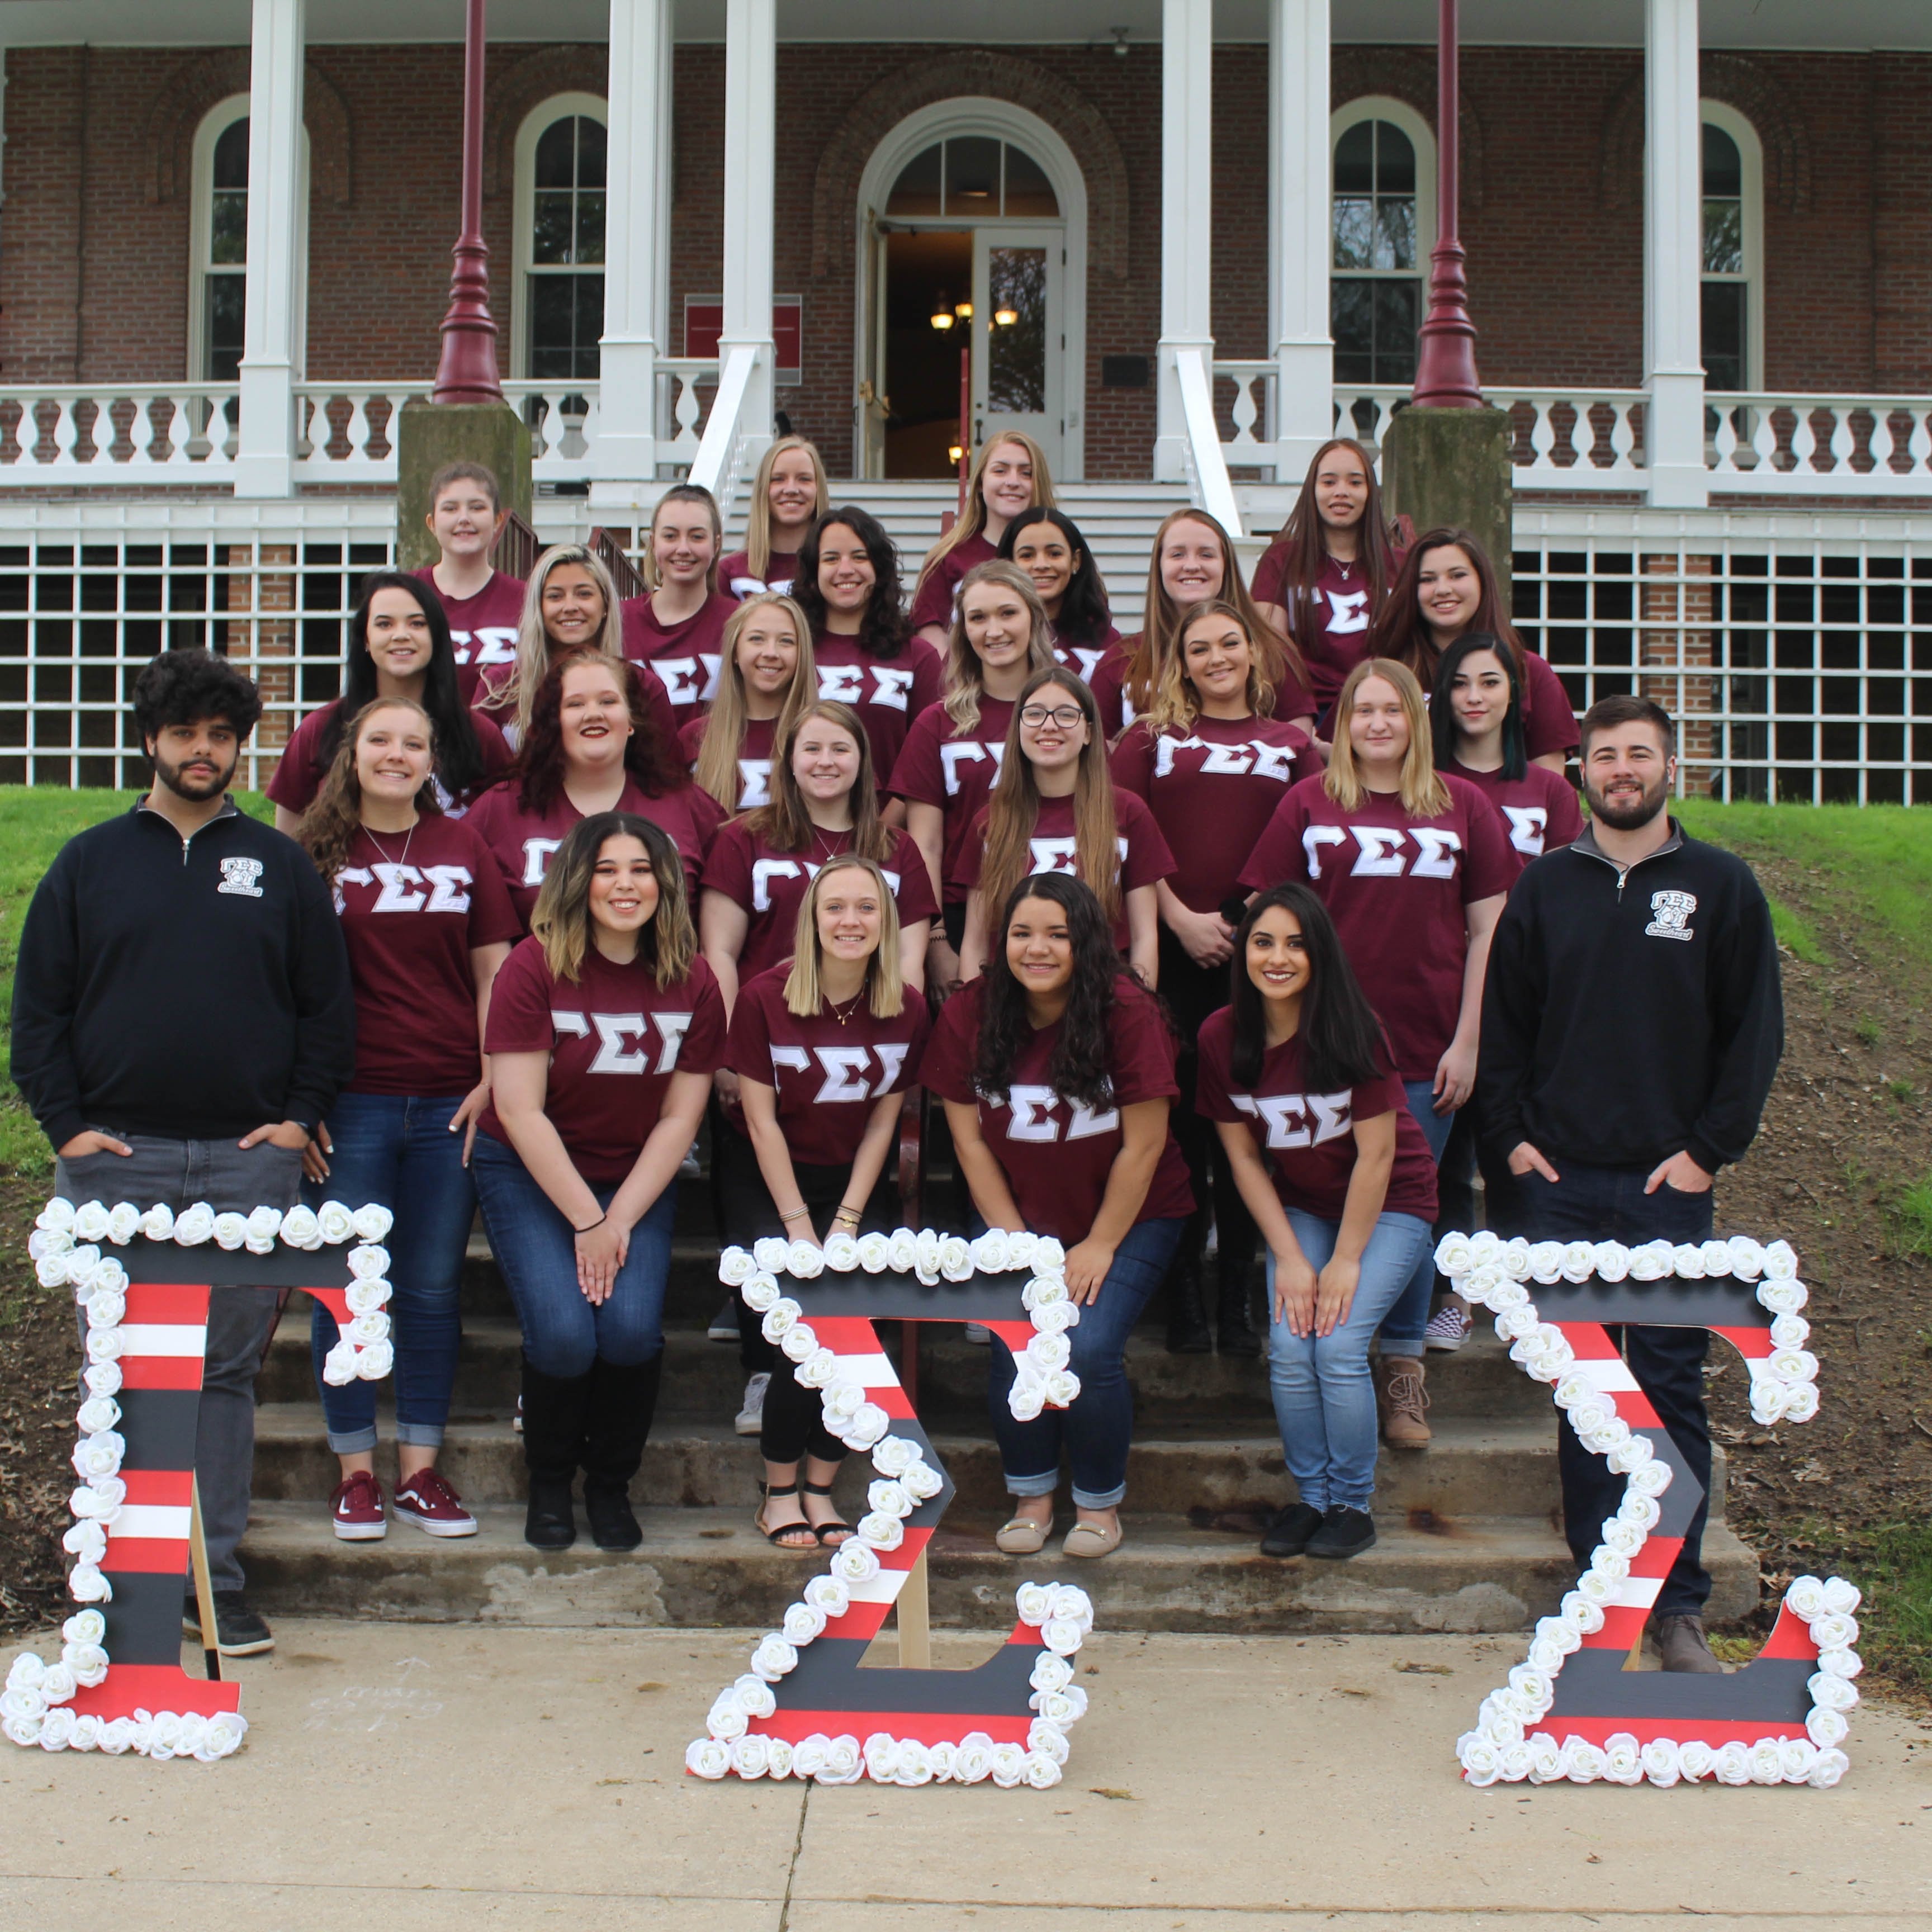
<point>624,457</point>
<point>1187,226</point>
<point>1299,233</point>
<point>1206,464</point>
<point>751,163</point>
<point>1673,361</point>
<point>265,464</point>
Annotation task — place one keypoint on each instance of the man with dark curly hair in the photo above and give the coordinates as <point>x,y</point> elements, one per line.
<point>182,1019</point>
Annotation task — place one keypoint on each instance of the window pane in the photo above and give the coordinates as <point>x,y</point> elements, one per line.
<point>1395,160</point>
<point>227,319</point>
<point>1723,165</point>
<point>556,153</point>
<point>552,326</point>
<point>1028,190</point>
<point>590,152</point>
<point>589,324</point>
<point>1016,352</point>
<point>1395,232</point>
<point>590,225</point>
<point>1396,319</point>
<point>1351,321</point>
<point>1724,315</point>
<point>550,227</point>
<point>1723,238</point>
<point>231,155</point>
<point>973,175</point>
<point>228,226</point>
<point>917,190</point>
<point>1355,160</point>
<point>1355,222</point>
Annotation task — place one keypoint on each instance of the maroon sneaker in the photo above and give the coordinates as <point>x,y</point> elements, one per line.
<point>355,1509</point>
<point>428,1501</point>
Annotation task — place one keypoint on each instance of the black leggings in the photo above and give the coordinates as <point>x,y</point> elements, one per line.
<point>794,1419</point>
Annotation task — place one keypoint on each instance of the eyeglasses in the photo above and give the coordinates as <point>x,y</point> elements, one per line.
<point>1065,715</point>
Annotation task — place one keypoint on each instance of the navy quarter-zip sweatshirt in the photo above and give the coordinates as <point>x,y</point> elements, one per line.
<point>1630,1016</point>
<point>196,989</point>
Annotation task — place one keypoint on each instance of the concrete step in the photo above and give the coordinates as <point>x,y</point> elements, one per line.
<point>711,1568</point>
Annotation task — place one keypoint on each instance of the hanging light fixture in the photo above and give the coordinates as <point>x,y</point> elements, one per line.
<point>964,311</point>
<point>1005,318</point>
<point>942,312</point>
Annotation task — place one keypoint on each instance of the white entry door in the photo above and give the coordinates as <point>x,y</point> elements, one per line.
<point>1019,339</point>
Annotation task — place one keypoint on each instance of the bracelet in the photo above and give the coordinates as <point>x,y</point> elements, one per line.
<point>595,1225</point>
<point>796,1214</point>
<point>851,1214</point>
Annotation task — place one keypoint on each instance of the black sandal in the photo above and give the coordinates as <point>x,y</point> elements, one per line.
<point>822,1530</point>
<point>771,1536</point>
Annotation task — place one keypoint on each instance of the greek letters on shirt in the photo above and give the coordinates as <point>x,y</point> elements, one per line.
<point>763,870</point>
<point>1349,612</point>
<point>956,752</point>
<point>623,1038</point>
<point>1253,759</point>
<point>536,859</point>
<point>691,680</point>
<point>1527,824</point>
<point>410,888</point>
<point>1058,855</point>
<point>1084,661</point>
<point>847,1070</point>
<point>1037,1114</point>
<point>892,686</point>
<point>1382,850</point>
<point>494,644</point>
<point>755,783</point>
<point>1299,1120</point>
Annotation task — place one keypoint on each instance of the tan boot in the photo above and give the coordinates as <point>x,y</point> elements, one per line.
<point>1400,1399</point>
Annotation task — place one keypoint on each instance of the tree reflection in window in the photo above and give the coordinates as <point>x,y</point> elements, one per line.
<point>1376,288</point>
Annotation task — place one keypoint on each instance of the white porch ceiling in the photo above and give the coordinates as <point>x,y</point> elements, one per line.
<point>1840,25</point>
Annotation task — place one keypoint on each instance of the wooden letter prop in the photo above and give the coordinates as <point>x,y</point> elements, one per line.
<point>1570,1710</point>
<point>805,1709</point>
<point>118,1684</point>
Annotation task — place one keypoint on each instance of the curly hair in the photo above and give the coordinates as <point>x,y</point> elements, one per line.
<point>329,826</point>
<point>1079,1069</point>
<point>184,687</point>
<point>884,632</point>
<point>538,772</point>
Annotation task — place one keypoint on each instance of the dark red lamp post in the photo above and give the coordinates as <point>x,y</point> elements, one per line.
<point>467,372</point>
<point>1445,362</point>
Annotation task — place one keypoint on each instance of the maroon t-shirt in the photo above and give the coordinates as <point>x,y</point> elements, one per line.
<point>1308,1139</point>
<point>657,703</point>
<point>1212,790</point>
<point>1540,811</point>
<point>933,601</point>
<point>1056,1154</point>
<point>755,757</point>
<point>887,693</point>
<point>483,628</point>
<point>686,656</point>
<point>523,842</point>
<point>298,776</point>
<point>614,1041</point>
<point>1082,654</point>
<point>827,1076</point>
<point>1145,858</point>
<point>1108,685</point>
<point>769,885</point>
<point>413,908</point>
<point>1549,721</point>
<point>954,770</point>
<point>735,577</point>
<point>1396,888</point>
<point>1342,611</point>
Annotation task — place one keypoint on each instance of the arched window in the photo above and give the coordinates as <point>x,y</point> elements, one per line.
<point>1733,318</point>
<point>559,238</point>
<point>218,243</point>
<point>1382,229</point>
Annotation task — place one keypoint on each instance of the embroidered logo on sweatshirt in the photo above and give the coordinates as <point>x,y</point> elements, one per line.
<point>241,877</point>
<point>1672,909</point>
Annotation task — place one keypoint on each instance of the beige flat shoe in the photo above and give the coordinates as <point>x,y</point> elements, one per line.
<point>1021,1536</point>
<point>1085,1539</point>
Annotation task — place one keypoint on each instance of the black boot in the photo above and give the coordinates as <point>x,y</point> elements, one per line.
<point>554,1413</point>
<point>1187,1332</point>
<point>1233,1321</point>
<point>623,1400</point>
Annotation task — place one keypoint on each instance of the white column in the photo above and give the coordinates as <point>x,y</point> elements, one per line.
<point>1186,207</point>
<point>1673,359</point>
<point>751,161</point>
<point>1298,232</point>
<point>624,457</point>
<point>265,460</point>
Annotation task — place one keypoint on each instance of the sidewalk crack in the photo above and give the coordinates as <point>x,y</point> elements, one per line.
<point>797,1847</point>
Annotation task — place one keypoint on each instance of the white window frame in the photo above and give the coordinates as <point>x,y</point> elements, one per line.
<point>592,106</point>
<point>1422,138</point>
<point>1751,153</point>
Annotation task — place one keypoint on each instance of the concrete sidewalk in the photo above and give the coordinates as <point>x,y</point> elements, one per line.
<point>433,1778</point>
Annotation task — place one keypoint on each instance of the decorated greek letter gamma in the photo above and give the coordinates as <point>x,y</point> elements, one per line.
<point>118,1685</point>
<point>805,1705</point>
<point>1570,1710</point>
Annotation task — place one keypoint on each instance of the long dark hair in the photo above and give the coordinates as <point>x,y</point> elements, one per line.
<point>883,630</point>
<point>1083,615</point>
<point>1305,548</point>
<point>1079,1069</point>
<point>1342,1043</point>
<point>1442,710</point>
<point>1399,631</point>
<point>560,921</point>
<point>459,758</point>
<point>538,774</point>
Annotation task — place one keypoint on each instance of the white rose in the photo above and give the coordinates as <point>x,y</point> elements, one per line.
<point>843,1400</point>
<point>1043,1291</point>
<point>778,1757</point>
<point>1625,1537</point>
<point>735,1266</point>
<point>1688,1260</point>
<point>708,1758</point>
<point>1841,1598</point>
<point>266,1223</point>
<point>1486,1248</point>
<point>91,1221</point>
<point>86,1735</point>
<point>1022,1246</point>
<point>58,1214</point>
<point>1594,1587</point>
<point>87,1661</point>
<point>87,1627</point>
<point>1652,1480</point>
<point>1579,1261</point>
<point>771,1253</point>
<point>1662,1763</point>
<point>1068,1601</point>
<point>894,1455</point>
<point>367,1263</point>
<point>1845,1663</point>
<point>1832,1632</point>
<point>1048,1352</point>
<point>1561,1632</point>
<point>889,1499</point>
<point>1025,1400</point>
<point>1056,1319</point>
<point>1051,1674</point>
<point>1480,1759</point>
<point>926,1251</point>
<point>99,1456</point>
<point>1585,1614</point>
<point>1573,1389</point>
<point>1730,1764</point>
<point>1781,1263</point>
<point>1770,1401</point>
<point>1514,1259</point>
<point>881,1751</point>
<point>923,1482</point>
<point>1481,1283</point>
<point>805,1260</point>
<point>773,1657</point>
<point>230,1231</point>
<point>1545,1654</point>
<point>45,1242</point>
<point>76,1265</point>
<point>944,1757</point>
<point>1453,1256</point>
<point>158,1223</point>
<point>105,1345</point>
<point>1789,1331</point>
<point>809,1754</point>
<point>972,1761</point>
<point>1546,1759</point>
<point>1696,1760</point>
<point>1062,1389</point>
<point>902,1251</point>
<point>1583,1761</point>
<point>1747,1258</point>
<point>1652,1261</point>
<point>372,1222</point>
<point>105,1308</point>
<point>841,1252</point>
<point>1546,1262</point>
<point>780,1318</point>
<point>760,1293</point>
<point>881,1531</point>
<point>874,1252</point>
<point>1783,1298</point>
<point>956,1258</point>
<point>373,1327</point>
<point>1640,1511</point>
<point>100,1499</point>
<point>827,1593</point>
<point>915,1764</point>
<point>1007,1763</point>
<point>803,1624</point>
<point>1612,1261</point>
<point>1767,1762</point>
<point>1632,1455</point>
<point>1062,1635</point>
<point>1033,1602</point>
<point>118,1734</point>
<point>87,1540</point>
<point>818,1369</point>
<point>1795,1757</point>
<point>1794,1365</point>
<point>1716,1257</point>
<point>223,1737</point>
<point>338,1365</point>
<point>1042,1771</point>
<point>798,1342</point>
<point>989,1253</point>
<point>1515,1759</point>
<point>57,1730</point>
<point>1805,1597</point>
<point>97,1413</point>
<point>365,1298</point>
<point>123,1222</point>
<point>1514,1324</point>
<point>869,1423</point>
<point>1829,1767</point>
<point>302,1229</point>
<point>852,1563</point>
<point>1535,1687</point>
<point>374,1362</point>
<point>751,1757</point>
<point>1826,1726</point>
<point>1622,1762</point>
<point>27,1671</point>
<point>60,1683</point>
<point>1833,1693</point>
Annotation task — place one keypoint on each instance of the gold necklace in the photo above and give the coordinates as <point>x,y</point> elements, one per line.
<point>851,1007</point>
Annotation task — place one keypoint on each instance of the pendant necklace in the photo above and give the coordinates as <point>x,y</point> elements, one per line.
<point>378,843</point>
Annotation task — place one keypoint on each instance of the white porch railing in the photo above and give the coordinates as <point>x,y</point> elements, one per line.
<point>120,434</point>
<point>1207,460</point>
<point>1804,445</point>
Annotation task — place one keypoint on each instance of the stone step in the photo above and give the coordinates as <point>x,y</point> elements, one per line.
<point>711,1568</point>
<point>1472,1469</point>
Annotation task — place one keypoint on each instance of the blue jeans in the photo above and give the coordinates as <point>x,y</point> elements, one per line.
<point>1325,1402</point>
<point>397,1149</point>
<point>1608,1203</point>
<point>563,1334</point>
<point>1402,1326</point>
<point>1095,1432</point>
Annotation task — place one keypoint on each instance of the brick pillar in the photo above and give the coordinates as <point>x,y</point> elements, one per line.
<point>261,639</point>
<point>1676,638</point>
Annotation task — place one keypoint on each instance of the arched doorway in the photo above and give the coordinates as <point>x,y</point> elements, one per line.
<point>973,249</point>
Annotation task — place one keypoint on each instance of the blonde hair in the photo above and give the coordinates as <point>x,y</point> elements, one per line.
<point>972,520</point>
<point>534,652</point>
<point>786,825</point>
<point>802,993</point>
<point>965,679</point>
<point>683,492</point>
<point>1424,793</point>
<point>716,770</point>
<point>1176,702</point>
<point>1013,808</point>
<point>758,521</point>
<point>561,921</point>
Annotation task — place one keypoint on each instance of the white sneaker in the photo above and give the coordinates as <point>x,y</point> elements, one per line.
<point>689,1169</point>
<point>978,1334</point>
<point>725,1324</point>
<point>1450,1327</point>
<point>752,1416</point>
